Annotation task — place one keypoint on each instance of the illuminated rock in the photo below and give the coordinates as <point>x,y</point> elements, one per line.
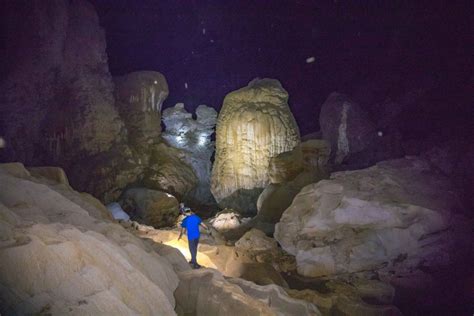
<point>254,125</point>
<point>59,255</point>
<point>394,215</point>
<point>207,292</point>
<point>346,126</point>
<point>193,137</point>
<point>225,221</point>
<point>139,98</point>
<point>155,208</point>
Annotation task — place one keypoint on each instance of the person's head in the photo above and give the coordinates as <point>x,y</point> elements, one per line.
<point>187,211</point>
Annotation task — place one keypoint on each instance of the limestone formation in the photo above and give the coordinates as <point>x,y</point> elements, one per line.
<point>167,171</point>
<point>350,298</point>
<point>346,126</point>
<point>60,256</point>
<point>289,173</point>
<point>226,220</point>
<point>193,137</point>
<point>394,215</point>
<point>139,98</point>
<point>206,292</point>
<point>254,125</point>
<point>155,208</point>
<point>57,98</point>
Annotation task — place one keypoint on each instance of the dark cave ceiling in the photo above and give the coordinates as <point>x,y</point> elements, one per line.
<point>209,48</point>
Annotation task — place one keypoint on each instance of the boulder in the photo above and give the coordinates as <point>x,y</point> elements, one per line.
<point>58,259</point>
<point>206,292</point>
<point>117,212</point>
<point>54,174</point>
<point>394,215</point>
<point>346,126</point>
<point>155,208</point>
<point>105,175</point>
<point>139,98</point>
<point>167,171</point>
<point>360,297</point>
<point>226,220</point>
<point>193,137</point>
<point>290,172</point>
<point>254,125</point>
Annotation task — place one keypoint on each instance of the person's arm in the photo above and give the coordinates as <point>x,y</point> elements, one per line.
<point>181,232</point>
<point>205,227</point>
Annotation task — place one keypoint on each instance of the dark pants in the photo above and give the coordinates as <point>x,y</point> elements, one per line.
<point>193,247</point>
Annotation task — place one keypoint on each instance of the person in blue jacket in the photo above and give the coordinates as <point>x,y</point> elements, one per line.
<point>191,225</point>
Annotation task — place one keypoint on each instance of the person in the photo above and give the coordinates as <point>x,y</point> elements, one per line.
<point>191,225</point>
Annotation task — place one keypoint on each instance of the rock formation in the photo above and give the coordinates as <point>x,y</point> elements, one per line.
<point>254,125</point>
<point>61,254</point>
<point>193,137</point>
<point>151,207</point>
<point>206,292</point>
<point>167,171</point>
<point>57,97</point>
<point>139,97</point>
<point>395,215</point>
<point>289,173</point>
<point>345,126</point>
<point>359,138</point>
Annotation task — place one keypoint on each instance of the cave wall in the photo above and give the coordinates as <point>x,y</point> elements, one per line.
<point>57,96</point>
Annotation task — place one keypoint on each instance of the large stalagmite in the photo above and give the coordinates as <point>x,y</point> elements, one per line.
<point>254,125</point>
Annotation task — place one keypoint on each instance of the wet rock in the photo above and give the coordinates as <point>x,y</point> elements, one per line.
<point>154,208</point>
<point>254,125</point>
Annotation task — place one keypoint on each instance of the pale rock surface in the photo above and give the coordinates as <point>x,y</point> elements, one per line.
<point>155,208</point>
<point>225,221</point>
<point>392,215</point>
<point>58,259</point>
<point>117,212</point>
<point>206,292</point>
<point>254,125</point>
<point>193,137</point>
<point>139,98</point>
<point>276,297</point>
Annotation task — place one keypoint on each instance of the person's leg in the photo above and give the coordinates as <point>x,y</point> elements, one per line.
<point>195,263</point>
<point>193,250</point>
